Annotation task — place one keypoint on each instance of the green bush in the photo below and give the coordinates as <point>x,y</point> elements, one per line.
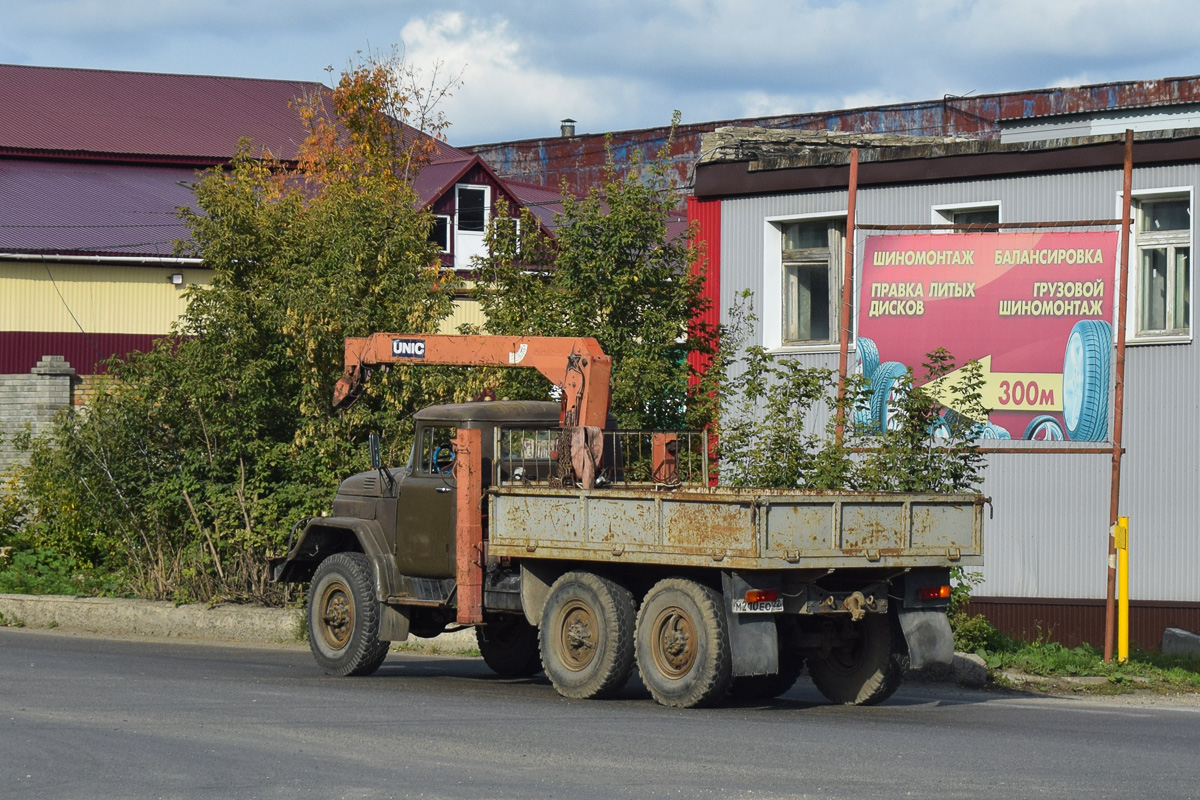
<point>194,459</point>
<point>769,437</point>
<point>44,571</point>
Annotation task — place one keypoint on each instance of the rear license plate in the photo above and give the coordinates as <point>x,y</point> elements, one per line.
<point>761,607</point>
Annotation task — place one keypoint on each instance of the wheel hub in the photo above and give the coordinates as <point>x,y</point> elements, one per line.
<point>578,636</point>
<point>675,640</point>
<point>337,615</point>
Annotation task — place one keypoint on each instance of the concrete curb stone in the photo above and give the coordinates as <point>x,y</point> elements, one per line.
<point>228,622</point>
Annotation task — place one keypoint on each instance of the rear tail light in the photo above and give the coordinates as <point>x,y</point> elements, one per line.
<point>933,592</point>
<point>762,595</point>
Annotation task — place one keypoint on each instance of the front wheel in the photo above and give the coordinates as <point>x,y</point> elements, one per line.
<point>683,644</point>
<point>861,670</point>
<point>343,617</point>
<point>586,635</point>
<point>509,645</point>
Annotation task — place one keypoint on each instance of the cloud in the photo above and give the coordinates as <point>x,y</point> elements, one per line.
<point>617,64</point>
<point>501,84</point>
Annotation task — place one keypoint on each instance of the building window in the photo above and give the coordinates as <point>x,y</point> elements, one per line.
<point>472,208</point>
<point>439,233</point>
<point>964,215</point>
<point>810,253</point>
<point>1164,279</point>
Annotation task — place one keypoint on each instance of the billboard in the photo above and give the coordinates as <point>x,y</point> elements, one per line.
<point>1034,309</point>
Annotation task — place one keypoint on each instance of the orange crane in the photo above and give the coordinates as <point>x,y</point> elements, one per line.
<point>576,365</point>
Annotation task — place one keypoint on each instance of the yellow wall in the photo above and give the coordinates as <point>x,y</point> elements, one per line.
<point>104,298</point>
<point>466,310</point>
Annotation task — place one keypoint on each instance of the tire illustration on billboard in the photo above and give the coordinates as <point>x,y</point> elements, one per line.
<point>865,363</point>
<point>1045,428</point>
<point>1086,368</point>
<point>887,389</point>
<point>867,357</point>
<point>990,431</point>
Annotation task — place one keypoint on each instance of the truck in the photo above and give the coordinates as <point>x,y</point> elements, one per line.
<point>584,552</point>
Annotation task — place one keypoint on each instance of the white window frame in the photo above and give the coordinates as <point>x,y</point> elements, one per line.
<point>943,214</point>
<point>772,294</point>
<point>470,243</point>
<point>1133,308</point>
<point>449,230</point>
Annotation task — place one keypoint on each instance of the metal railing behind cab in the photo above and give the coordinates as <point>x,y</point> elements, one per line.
<point>629,459</point>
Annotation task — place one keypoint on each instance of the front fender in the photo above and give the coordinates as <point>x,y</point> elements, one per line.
<point>324,536</point>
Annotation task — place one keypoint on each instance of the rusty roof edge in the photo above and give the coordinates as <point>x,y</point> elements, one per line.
<point>775,149</point>
<point>140,159</point>
<point>1179,90</point>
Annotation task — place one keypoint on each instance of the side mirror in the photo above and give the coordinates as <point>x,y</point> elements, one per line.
<point>373,444</point>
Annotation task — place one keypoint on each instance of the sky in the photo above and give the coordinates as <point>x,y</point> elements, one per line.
<point>622,64</point>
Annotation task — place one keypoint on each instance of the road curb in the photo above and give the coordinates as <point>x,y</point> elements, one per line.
<point>121,617</point>
<point>227,622</point>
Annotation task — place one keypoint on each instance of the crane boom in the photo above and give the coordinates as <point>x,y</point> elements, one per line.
<point>576,365</point>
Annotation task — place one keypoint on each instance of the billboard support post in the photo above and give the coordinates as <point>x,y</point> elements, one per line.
<point>847,299</point>
<point>1118,398</point>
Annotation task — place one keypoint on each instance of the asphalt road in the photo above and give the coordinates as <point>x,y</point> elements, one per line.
<point>87,717</point>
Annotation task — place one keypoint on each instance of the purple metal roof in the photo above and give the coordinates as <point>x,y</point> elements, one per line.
<point>70,111</point>
<point>434,179</point>
<point>88,208</point>
<point>84,154</point>
<point>150,116</point>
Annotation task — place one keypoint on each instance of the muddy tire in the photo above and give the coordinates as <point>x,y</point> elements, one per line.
<point>343,617</point>
<point>863,670</point>
<point>683,644</point>
<point>509,645</point>
<point>586,635</point>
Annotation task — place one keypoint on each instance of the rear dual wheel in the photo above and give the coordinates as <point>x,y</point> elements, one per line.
<point>586,635</point>
<point>862,669</point>
<point>509,645</point>
<point>683,644</point>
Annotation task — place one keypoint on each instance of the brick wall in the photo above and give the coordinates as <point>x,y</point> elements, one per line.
<point>31,400</point>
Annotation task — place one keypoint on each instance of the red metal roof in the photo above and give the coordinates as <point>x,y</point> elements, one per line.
<point>97,162</point>
<point>146,116</point>
<point>176,117</point>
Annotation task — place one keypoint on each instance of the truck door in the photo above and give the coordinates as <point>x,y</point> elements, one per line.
<point>426,507</point>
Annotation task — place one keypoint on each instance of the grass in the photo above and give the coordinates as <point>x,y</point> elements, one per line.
<point>1068,668</point>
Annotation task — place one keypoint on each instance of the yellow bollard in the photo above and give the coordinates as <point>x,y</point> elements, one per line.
<point>1121,538</point>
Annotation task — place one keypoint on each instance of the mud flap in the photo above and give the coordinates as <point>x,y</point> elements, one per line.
<point>927,632</point>
<point>753,638</point>
<point>393,623</point>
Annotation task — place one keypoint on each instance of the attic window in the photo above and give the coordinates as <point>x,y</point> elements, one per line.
<point>471,208</point>
<point>439,233</point>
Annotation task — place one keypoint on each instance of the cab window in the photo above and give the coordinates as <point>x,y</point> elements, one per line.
<point>435,451</point>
